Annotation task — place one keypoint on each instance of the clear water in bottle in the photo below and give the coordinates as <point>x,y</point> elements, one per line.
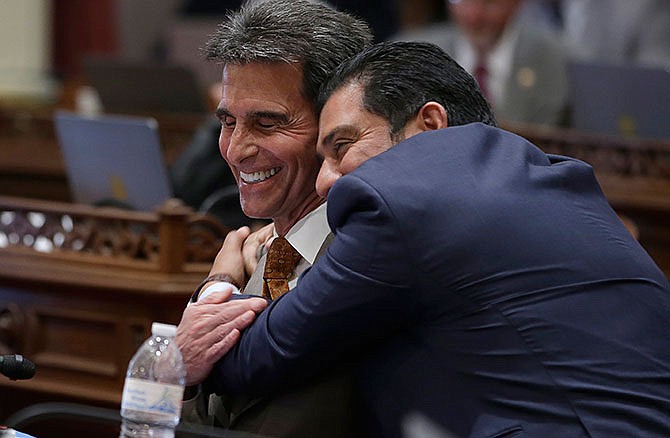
<point>154,387</point>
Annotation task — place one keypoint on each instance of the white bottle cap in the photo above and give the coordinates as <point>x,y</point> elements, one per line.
<point>165,330</point>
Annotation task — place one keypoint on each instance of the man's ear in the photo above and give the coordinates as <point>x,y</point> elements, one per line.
<point>432,116</point>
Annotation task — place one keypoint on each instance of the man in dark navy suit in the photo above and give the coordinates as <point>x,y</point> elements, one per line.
<point>481,283</point>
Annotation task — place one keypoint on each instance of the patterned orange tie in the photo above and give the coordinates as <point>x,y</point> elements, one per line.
<point>281,260</point>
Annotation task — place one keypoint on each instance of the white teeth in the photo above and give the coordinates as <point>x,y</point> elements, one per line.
<point>258,176</point>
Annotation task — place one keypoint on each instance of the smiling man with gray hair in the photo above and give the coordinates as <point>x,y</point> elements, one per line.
<point>275,54</point>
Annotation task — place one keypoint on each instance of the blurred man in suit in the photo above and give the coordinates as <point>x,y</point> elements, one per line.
<point>275,55</point>
<point>481,283</point>
<point>518,63</point>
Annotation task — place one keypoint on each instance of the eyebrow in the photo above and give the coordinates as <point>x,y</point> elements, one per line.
<point>280,117</point>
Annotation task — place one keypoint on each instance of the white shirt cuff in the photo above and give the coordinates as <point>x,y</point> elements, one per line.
<point>217,287</point>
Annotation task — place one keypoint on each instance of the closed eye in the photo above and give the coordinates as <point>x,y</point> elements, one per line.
<point>340,147</point>
<point>268,121</point>
<point>228,122</point>
<point>339,139</point>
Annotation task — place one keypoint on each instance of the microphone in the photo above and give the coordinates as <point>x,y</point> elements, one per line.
<point>16,367</point>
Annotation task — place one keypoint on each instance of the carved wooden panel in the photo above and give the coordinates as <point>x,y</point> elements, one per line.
<point>111,234</point>
<point>624,157</point>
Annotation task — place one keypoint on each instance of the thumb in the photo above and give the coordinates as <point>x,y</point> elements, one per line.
<point>234,240</point>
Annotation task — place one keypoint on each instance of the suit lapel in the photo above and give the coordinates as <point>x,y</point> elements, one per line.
<point>255,284</point>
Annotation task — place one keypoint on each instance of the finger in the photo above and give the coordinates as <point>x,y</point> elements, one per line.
<point>266,232</point>
<point>231,310</point>
<point>243,232</point>
<point>250,265</point>
<point>250,255</point>
<point>229,334</point>
<point>229,259</point>
<point>224,345</point>
<point>268,242</point>
<point>234,240</point>
<point>251,248</point>
<point>240,322</point>
<point>257,304</point>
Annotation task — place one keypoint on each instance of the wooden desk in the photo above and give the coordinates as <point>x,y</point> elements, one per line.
<point>80,286</point>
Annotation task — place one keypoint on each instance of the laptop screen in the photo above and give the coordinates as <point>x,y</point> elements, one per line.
<point>629,101</point>
<point>113,160</point>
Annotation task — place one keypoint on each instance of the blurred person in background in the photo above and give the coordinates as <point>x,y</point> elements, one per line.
<point>618,31</point>
<point>519,63</point>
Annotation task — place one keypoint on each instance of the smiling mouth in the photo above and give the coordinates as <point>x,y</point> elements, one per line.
<point>255,177</point>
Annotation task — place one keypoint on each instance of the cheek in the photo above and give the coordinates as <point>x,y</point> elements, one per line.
<point>351,161</point>
<point>302,159</point>
<point>363,151</point>
<point>223,151</point>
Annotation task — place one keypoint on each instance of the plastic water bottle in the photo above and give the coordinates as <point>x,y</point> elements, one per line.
<point>154,387</point>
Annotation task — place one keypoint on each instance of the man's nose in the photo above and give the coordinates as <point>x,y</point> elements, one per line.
<point>326,178</point>
<point>237,145</point>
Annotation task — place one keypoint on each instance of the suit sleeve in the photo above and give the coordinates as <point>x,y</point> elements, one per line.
<point>355,295</point>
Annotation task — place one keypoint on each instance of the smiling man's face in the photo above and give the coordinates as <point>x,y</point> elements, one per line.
<point>349,135</point>
<point>268,137</point>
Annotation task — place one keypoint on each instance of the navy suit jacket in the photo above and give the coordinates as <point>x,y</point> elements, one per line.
<point>482,283</point>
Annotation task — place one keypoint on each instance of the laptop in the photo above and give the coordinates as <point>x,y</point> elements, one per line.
<point>623,100</point>
<point>113,160</point>
<point>140,88</point>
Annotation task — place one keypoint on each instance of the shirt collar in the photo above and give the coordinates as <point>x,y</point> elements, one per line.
<point>308,234</point>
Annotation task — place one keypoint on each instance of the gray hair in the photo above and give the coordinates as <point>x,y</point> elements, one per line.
<point>308,33</point>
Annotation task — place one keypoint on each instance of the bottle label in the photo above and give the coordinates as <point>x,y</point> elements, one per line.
<point>152,397</point>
